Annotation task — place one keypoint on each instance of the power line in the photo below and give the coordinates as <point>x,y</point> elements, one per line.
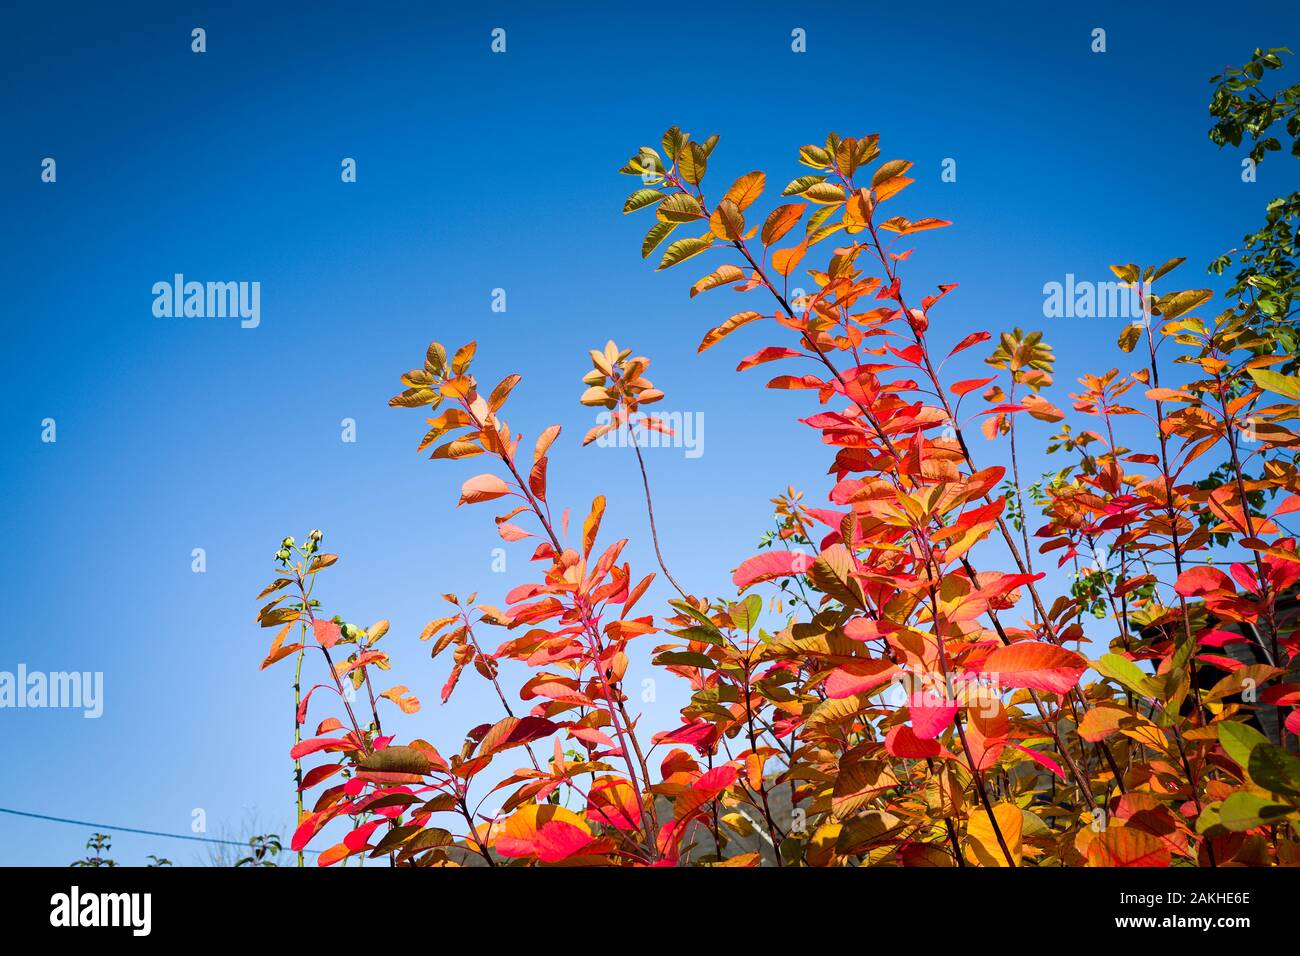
<point>108,827</point>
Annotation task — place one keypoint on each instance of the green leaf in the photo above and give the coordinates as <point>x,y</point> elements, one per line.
<point>746,613</point>
<point>1245,811</point>
<point>657,234</point>
<point>691,611</point>
<point>1175,683</point>
<point>1274,769</point>
<point>1287,385</point>
<point>642,198</point>
<point>831,574</point>
<point>692,161</point>
<point>814,156</point>
<point>1127,673</point>
<point>1128,339</point>
<point>281,615</point>
<point>1238,740</point>
<point>825,231</point>
<point>686,659</point>
<point>684,249</point>
<point>679,207</point>
<point>1179,303</point>
<point>672,142</point>
<point>801,185</point>
<point>1168,267</point>
<point>426,839</point>
<point>702,634</point>
<point>824,193</point>
<point>435,359</point>
<point>887,171</point>
<point>413,398</point>
<point>394,838</point>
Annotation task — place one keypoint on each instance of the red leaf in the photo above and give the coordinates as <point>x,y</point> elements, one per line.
<point>612,800</point>
<point>356,840</point>
<point>694,733</point>
<point>902,741</point>
<point>327,632</point>
<point>769,354</point>
<point>593,736</point>
<point>975,338</point>
<point>316,774</point>
<point>713,782</point>
<point>1043,759</point>
<point>1198,582</point>
<point>769,565</point>
<point>931,714</point>
<point>859,677</point>
<point>1218,638</point>
<point>452,678</point>
<point>306,747</point>
<point>968,385</point>
<point>1220,661</point>
<point>1036,665</point>
<point>548,832</point>
<point>525,731</point>
<point>309,827</point>
<point>1283,695</point>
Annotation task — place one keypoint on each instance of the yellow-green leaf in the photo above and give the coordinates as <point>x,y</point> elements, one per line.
<point>684,249</point>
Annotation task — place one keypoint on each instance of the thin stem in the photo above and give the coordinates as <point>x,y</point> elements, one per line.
<point>650,511</point>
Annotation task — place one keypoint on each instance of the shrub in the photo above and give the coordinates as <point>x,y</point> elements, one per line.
<point>1018,740</point>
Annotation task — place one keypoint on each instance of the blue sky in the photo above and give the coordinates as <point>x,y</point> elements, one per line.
<point>476,171</point>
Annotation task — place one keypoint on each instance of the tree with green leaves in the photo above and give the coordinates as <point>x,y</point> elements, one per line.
<point>1265,282</point>
<point>99,846</point>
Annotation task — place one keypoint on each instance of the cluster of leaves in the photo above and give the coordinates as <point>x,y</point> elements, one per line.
<point>1018,738</point>
<point>100,845</point>
<point>263,850</point>
<point>1267,275</point>
<point>1241,109</point>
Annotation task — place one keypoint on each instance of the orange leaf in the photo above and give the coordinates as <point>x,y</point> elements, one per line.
<point>1126,846</point>
<point>544,442</point>
<point>1036,665</point>
<point>718,333</point>
<point>592,525</point>
<point>780,221</point>
<point>746,189</point>
<point>785,260</point>
<point>482,488</point>
<point>982,847</point>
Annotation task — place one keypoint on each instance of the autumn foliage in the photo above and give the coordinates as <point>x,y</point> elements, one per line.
<point>910,695</point>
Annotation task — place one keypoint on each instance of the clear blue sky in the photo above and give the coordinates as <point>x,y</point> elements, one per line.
<point>475,171</point>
